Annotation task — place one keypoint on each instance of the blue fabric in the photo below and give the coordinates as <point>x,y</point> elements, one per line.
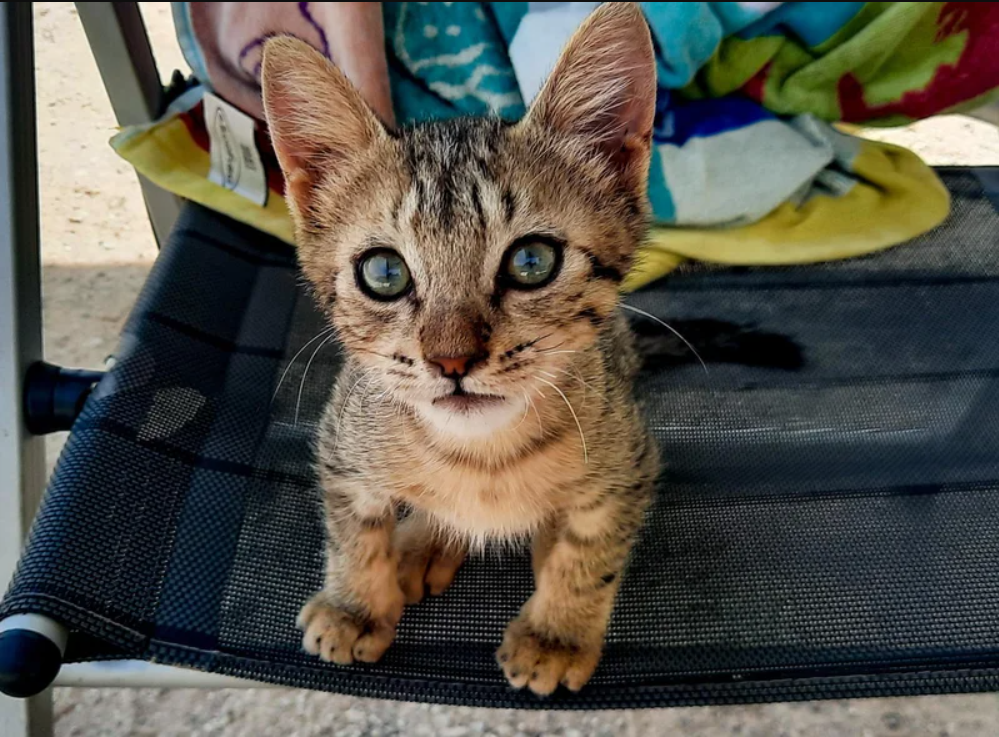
<point>663,207</point>
<point>450,59</point>
<point>814,23</point>
<point>507,17</point>
<point>189,46</point>
<point>686,35</point>
<point>678,122</point>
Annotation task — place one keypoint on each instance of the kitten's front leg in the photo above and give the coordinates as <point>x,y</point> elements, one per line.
<point>428,561</point>
<point>354,617</point>
<point>559,635</point>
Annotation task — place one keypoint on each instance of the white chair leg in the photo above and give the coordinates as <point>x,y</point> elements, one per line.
<point>26,717</point>
<point>140,674</point>
<point>22,459</point>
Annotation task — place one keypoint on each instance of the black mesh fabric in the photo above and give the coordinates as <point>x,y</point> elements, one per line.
<point>829,531</point>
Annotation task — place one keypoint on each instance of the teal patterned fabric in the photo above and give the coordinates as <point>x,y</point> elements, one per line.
<point>449,59</point>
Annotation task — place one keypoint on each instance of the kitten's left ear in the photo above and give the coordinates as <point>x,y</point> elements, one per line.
<point>603,88</point>
<point>318,121</point>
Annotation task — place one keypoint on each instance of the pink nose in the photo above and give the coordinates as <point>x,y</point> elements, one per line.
<point>452,366</point>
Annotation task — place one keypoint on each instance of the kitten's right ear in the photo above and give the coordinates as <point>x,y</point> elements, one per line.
<point>603,89</point>
<point>317,120</point>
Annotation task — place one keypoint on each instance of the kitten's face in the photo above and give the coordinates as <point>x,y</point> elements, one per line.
<point>463,262</point>
<point>470,242</point>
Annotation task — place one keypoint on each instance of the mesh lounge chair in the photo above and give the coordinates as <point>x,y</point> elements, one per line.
<point>828,527</point>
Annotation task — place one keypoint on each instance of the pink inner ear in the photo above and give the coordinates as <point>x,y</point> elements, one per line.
<point>604,84</point>
<point>317,119</point>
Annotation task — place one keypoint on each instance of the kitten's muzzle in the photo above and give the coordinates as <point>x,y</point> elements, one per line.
<point>462,400</point>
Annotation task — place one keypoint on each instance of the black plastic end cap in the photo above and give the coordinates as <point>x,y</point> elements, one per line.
<point>54,396</point>
<point>29,662</point>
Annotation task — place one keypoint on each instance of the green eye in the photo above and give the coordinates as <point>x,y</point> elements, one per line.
<point>531,263</point>
<point>382,274</point>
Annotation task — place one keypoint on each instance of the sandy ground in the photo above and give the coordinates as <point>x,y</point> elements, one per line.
<point>97,249</point>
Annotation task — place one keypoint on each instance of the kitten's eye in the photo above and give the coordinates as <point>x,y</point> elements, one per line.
<point>382,274</point>
<point>531,264</point>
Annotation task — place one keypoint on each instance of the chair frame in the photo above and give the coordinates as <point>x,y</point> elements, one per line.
<point>22,457</point>
<point>118,40</point>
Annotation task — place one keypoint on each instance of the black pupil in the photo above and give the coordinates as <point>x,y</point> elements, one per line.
<point>385,273</point>
<point>527,260</point>
<point>532,264</point>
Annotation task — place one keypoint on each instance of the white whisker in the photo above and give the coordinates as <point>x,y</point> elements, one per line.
<point>541,426</point>
<point>582,438</point>
<point>578,377</point>
<point>671,329</point>
<point>343,411</point>
<point>295,357</point>
<point>581,380</point>
<point>301,384</point>
<point>527,408</point>
<point>372,375</point>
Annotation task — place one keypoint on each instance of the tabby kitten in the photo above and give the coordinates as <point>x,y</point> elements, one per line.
<point>471,269</point>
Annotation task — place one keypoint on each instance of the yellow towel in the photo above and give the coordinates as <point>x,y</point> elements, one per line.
<point>896,198</point>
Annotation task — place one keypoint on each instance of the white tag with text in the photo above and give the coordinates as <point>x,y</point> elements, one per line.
<point>236,163</point>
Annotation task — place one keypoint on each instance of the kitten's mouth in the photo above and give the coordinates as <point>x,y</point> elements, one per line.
<point>462,401</point>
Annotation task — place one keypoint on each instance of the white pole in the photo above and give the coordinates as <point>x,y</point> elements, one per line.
<point>22,457</point>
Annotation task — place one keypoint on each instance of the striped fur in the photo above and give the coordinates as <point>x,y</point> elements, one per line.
<point>563,458</point>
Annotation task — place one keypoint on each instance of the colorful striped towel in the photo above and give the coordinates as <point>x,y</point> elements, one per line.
<point>748,168</point>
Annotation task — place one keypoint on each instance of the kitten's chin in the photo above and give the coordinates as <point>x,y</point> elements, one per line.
<point>472,415</point>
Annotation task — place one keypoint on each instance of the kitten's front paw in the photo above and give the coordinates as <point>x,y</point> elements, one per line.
<point>426,563</point>
<point>541,662</point>
<point>340,634</point>
<point>421,572</point>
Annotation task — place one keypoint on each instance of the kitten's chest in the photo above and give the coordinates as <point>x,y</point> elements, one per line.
<point>501,501</point>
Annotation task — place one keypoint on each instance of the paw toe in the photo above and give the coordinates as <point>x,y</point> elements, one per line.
<point>441,573</point>
<point>548,673</point>
<point>411,583</point>
<point>370,646</point>
<point>329,631</point>
<point>527,659</point>
<point>336,644</point>
<point>581,669</point>
<point>518,656</point>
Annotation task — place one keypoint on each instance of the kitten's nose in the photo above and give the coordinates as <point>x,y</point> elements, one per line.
<point>453,367</point>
